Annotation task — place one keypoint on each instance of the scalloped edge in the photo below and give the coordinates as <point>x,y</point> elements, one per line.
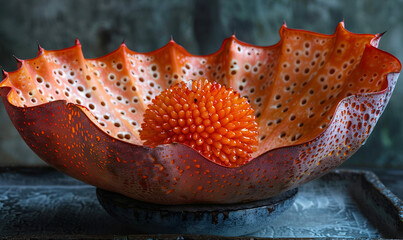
<point>6,90</point>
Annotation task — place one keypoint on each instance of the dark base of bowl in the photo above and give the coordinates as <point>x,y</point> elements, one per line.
<point>207,219</point>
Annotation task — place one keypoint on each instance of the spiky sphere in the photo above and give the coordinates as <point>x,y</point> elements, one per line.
<point>206,116</point>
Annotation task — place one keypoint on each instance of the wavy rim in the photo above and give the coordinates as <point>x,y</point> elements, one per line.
<point>41,51</point>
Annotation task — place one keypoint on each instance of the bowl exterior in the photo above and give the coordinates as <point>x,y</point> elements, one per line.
<point>70,136</point>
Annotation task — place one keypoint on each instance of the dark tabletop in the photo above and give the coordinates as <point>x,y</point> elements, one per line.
<point>38,202</point>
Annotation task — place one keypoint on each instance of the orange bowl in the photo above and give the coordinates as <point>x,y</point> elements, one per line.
<point>316,99</point>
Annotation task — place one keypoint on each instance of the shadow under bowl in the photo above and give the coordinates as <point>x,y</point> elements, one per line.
<point>207,219</point>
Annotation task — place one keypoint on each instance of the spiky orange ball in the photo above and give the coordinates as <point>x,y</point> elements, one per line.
<point>214,120</point>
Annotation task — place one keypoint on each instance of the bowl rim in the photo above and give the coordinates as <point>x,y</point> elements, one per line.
<point>6,90</point>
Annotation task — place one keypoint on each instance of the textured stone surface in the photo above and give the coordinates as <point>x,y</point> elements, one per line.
<point>199,26</point>
<point>43,202</point>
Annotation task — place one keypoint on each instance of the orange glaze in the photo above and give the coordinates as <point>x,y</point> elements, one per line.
<point>316,99</point>
<point>215,121</point>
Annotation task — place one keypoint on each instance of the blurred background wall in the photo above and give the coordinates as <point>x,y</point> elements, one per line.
<point>200,26</point>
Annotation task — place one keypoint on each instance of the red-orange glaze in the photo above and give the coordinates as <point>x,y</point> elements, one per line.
<point>316,99</point>
<point>205,116</point>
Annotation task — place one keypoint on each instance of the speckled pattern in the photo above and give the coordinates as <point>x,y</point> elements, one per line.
<point>316,97</point>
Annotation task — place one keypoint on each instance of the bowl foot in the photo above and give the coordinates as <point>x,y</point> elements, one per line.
<point>207,219</point>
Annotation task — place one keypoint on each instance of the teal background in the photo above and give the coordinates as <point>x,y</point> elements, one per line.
<point>199,26</point>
